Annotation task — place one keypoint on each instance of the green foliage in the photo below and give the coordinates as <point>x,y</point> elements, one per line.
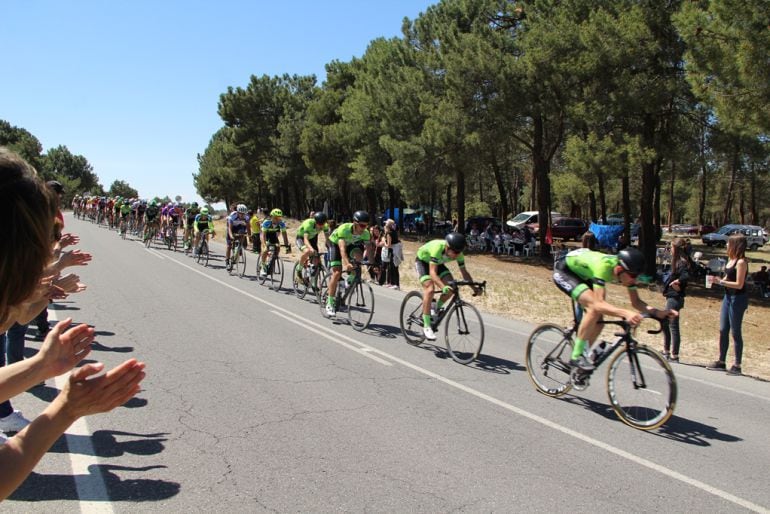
<point>20,141</point>
<point>121,188</point>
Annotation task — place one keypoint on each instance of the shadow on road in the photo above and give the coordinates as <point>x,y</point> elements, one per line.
<point>39,487</point>
<point>387,331</point>
<point>99,347</point>
<point>497,365</point>
<point>676,428</point>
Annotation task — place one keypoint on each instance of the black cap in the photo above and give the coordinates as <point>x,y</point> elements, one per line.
<point>56,186</point>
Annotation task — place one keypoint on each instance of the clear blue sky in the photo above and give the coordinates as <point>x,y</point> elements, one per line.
<point>133,85</point>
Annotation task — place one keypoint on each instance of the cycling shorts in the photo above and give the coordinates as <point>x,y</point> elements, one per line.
<point>335,257</point>
<point>313,242</point>
<point>567,281</point>
<point>423,270</point>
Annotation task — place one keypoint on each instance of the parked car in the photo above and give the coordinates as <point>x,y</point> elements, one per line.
<point>528,218</point>
<point>707,229</point>
<point>564,228</point>
<point>756,236</point>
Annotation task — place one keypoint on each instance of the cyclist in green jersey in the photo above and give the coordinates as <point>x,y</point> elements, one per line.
<point>582,274</point>
<point>348,240</point>
<point>432,272</point>
<point>307,238</point>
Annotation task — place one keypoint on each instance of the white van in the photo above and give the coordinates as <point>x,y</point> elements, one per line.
<point>527,218</point>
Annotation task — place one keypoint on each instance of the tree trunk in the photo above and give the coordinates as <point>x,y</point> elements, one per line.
<point>753,195</point>
<point>540,175</point>
<point>449,201</point>
<point>626,209</point>
<point>500,188</point>
<point>648,235</point>
<point>592,204</point>
<point>602,196</point>
<point>671,196</point>
<point>460,180</point>
<point>734,165</point>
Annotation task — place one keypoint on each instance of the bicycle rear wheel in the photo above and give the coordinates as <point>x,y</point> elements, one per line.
<point>642,388</point>
<point>410,318</point>
<point>360,304</point>
<point>322,295</point>
<point>464,332</point>
<point>548,353</point>
<point>276,274</point>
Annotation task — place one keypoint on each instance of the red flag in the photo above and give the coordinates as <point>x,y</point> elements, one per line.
<point>548,236</point>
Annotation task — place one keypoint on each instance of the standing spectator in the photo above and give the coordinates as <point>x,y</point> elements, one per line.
<point>589,241</point>
<point>375,266</point>
<point>674,285</point>
<point>734,304</point>
<point>761,278</point>
<point>394,255</point>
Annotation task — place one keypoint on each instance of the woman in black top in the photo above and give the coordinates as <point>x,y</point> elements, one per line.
<point>734,303</point>
<point>674,288</point>
<point>393,244</point>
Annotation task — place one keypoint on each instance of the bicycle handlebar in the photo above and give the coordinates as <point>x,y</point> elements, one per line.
<point>626,326</point>
<point>454,284</point>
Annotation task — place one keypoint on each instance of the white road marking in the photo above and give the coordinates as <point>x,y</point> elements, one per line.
<point>89,482</point>
<point>521,412</point>
<point>331,337</point>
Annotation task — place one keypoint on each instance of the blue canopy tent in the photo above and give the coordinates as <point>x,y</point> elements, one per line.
<point>607,235</point>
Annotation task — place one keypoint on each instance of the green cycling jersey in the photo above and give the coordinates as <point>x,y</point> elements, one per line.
<point>434,252</point>
<point>309,227</point>
<point>596,267</point>
<point>345,232</point>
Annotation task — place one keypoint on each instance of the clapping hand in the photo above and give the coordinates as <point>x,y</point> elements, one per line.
<point>70,284</point>
<point>62,350</point>
<point>74,258</point>
<point>68,240</point>
<point>82,395</point>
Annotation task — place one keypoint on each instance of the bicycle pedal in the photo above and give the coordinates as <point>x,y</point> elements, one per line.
<point>580,379</point>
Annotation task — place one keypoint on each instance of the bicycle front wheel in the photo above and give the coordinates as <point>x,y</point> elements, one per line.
<point>548,353</point>
<point>262,277</point>
<point>642,388</point>
<point>410,318</point>
<point>360,306</point>
<point>299,284</point>
<point>276,274</point>
<point>464,332</point>
<point>240,262</point>
<point>203,254</point>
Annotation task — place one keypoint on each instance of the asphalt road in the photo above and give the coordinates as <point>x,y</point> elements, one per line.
<point>253,402</point>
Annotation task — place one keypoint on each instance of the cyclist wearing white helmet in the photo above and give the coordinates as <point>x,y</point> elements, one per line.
<point>269,231</point>
<point>237,227</point>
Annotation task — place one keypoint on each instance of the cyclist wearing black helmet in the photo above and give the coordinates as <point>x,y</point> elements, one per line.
<point>348,240</point>
<point>432,272</point>
<point>582,274</point>
<point>307,238</point>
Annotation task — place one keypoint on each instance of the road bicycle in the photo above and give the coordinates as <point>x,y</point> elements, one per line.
<point>122,227</point>
<point>152,232</point>
<point>354,297</point>
<point>170,236</point>
<point>237,262</point>
<point>313,274</point>
<point>202,250</point>
<point>640,383</point>
<point>274,269</point>
<point>463,330</point>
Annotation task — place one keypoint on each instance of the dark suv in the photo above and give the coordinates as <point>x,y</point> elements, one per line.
<point>565,228</point>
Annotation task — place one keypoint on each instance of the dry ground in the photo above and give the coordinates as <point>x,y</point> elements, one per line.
<point>522,289</point>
